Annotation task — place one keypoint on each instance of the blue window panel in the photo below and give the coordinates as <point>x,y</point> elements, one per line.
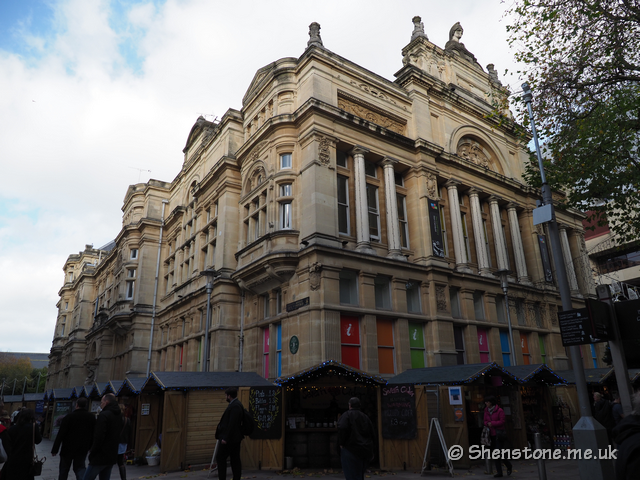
<point>506,351</point>
<point>594,355</point>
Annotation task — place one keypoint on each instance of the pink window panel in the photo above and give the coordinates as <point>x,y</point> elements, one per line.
<point>483,345</point>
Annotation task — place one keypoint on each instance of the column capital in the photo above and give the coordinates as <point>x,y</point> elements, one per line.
<point>389,162</point>
<point>494,199</point>
<point>475,191</point>
<point>452,183</point>
<point>512,206</point>
<point>358,150</point>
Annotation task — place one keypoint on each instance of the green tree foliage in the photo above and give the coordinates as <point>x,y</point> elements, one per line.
<point>17,369</point>
<point>582,60</point>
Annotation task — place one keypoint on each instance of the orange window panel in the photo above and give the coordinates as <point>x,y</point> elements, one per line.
<point>385,360</point>
<point>385,332</point>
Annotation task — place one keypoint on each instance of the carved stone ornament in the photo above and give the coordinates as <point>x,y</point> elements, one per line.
<point>370,115</point>
<point>314,275</point>
<point>418,28</point>
<point>372,91</point>
<point>255,152</point>
<point>314,35</point>
<point>432,186</point>
<point>441,300</point>
<point>473,152</point>
<point>323,150</point>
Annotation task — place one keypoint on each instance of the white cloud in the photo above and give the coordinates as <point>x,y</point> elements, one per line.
<point>76,124</point>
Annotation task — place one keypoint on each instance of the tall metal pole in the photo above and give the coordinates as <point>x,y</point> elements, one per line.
<point>504,280</point>
<point>587,433</point>
<point>155,290</point>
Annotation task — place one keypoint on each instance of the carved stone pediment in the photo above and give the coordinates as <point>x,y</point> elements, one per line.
<point>473,152</point>
<point>370,113</point>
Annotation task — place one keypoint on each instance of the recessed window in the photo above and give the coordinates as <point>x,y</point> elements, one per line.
<point>500,309</point>
<point>522,319</point>
<point>458,337</point>
<point>478,305</point>
<point>285,160</point>
<point>350,341</point>
<point>413,297</point>
<point>402,221</point>
<point>343,205</point>
<point>348,287</point>
<point>134,253</point>
<point>286,190</point>
<point>543,351</point>
<point>454,299</point>
<point>370,169</point>
<point>399,179</point>
<point>266,313</point>
<point>524,345</point>
<point>382,292</point>
<point>278,301</point>
<point>341,159</point>
<point>285,215</point>
<point>374,212</point>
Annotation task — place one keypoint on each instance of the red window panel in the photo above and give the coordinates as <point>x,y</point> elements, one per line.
<point>483,345</point>
<point>349,330</point>
<point>351,356</point>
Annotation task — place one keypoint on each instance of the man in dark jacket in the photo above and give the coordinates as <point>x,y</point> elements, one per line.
<point>627,438</point>
<point>229,434</point>
<point>356,439</point>
<point>75,435</point>
<point>602,413</point>
<point>106,436</point>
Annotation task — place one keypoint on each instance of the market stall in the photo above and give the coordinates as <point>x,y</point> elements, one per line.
<point>314,399</point>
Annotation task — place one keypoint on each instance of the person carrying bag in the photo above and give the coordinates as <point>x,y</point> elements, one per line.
<point>494,419</point>
<point>36,463</point>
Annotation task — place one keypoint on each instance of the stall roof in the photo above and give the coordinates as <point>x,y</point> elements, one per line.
<point>634,374</point>
<point>62,393</point>
<point>103,388</point>
<point>539,372</point>
<point>206,380</point>
<point>116,385</point>
<point>594,376</point>
<point>449,375</point>
<point>12,398</point>
<point>134,384</point>
<point>329,368</point>
<point>84,391</point>
<point>33,397</point>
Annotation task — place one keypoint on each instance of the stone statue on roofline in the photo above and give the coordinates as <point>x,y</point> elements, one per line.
<point>456,47</point>
<point>418,29</point>
<point>493,74</point>
<point>314,35</point>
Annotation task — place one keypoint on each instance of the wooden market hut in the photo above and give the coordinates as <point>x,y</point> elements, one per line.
<point>184,408</point>
<point>454,395</point>
<point>314,398</point>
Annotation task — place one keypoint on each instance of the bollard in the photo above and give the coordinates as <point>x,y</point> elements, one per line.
<point>542,471</point>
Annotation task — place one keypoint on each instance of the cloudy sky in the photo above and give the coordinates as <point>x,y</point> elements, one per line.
<point>97,95</point>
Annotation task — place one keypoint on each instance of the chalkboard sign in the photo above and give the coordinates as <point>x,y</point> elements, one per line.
<point>265,405</point>
<point>398,411</point>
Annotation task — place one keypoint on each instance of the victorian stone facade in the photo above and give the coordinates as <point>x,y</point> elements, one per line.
<point>348,217</point>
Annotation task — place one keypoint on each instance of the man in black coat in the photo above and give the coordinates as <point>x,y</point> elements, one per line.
<point>106,436</point>
<point>75,435</point>
<point>627,437</point>
<point>229,434</point>
<point>356,438</point>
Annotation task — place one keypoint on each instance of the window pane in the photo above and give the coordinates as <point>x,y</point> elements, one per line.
<point>341,159</point>
<point>478,305</point>
<point>370,168</point>
<point>385,361</point>
<point>455,302</point>
<point>402,219</point>
<point>483,345</point>
<point>382,292</point>
<point>417,359</point>
<point>285,190</point>
<point>285,160</point>
<point>416,335</point>
<point>343,204</point>
<point>413,297</point>
<point>349,287</point>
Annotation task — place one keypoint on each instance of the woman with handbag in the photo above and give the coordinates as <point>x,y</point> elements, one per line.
<point>494,419</point>
<point>22,439</point>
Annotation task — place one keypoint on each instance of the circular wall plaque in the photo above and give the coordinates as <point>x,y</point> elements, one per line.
<point>294,344</point>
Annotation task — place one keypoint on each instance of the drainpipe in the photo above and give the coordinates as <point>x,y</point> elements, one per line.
<point>155,290</point>
<point>241,333</point>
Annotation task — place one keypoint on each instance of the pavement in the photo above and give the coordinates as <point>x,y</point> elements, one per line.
<point>556,469</point>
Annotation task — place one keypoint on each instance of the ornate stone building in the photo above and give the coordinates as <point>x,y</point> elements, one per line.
<point>347,216</point>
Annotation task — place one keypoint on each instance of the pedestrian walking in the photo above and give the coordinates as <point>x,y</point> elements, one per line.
<point>19,442</point>
<point>603,413</point>
<point>616,409</point>
<point>125,438</point>
<point>106,437</point>
<point>494,419</point>
<point>229,433</point>
<point>627,438</point>
<point>356,438</point>
<point>75,435</point>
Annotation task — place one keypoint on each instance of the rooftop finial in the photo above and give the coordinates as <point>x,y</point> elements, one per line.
<point>418,28</point>
<point>314,35</point>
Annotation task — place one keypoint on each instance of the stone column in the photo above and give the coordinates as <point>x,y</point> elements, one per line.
<point>456,226</point>
<point>582,264</point>
<point>516,240</point>
<point>501,245</point>
<point>568,260</point>
<point>391,203</point>
<point>362,210</point>
<point>478,232</point>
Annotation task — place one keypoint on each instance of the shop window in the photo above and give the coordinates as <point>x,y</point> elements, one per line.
<point>500,306</point>
<point>458,336</point>
<point>265,352</point>
<point>348,287</point>
<point>478,305</point>
<point>454,299</point>
<point>543,351</point>
<point>483,345</point>
<point>279,349</point>
<point>382,287</point>
<point>594,356</point>
<point>506,350</point>
<point>416,345</point>
<point>402,220</point>
<point>343,205</point>
<point>386,360</point>
<point>350,341</point>
<point>524,344</point>
<point>413,297</point>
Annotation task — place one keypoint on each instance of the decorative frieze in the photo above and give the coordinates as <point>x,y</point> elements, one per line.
<point>368,113</point>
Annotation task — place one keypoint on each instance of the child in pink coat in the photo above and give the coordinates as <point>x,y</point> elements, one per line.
<point>494,419</point>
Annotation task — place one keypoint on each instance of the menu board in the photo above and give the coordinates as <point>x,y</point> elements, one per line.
<point>398,411</point>
<point>265,405</point>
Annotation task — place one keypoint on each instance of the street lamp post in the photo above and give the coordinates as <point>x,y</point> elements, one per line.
<point>210,274</point>
<point>504,281</point>
<point>587,433</point>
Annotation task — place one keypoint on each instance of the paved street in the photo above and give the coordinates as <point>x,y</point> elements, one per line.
<point>556,469</point>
